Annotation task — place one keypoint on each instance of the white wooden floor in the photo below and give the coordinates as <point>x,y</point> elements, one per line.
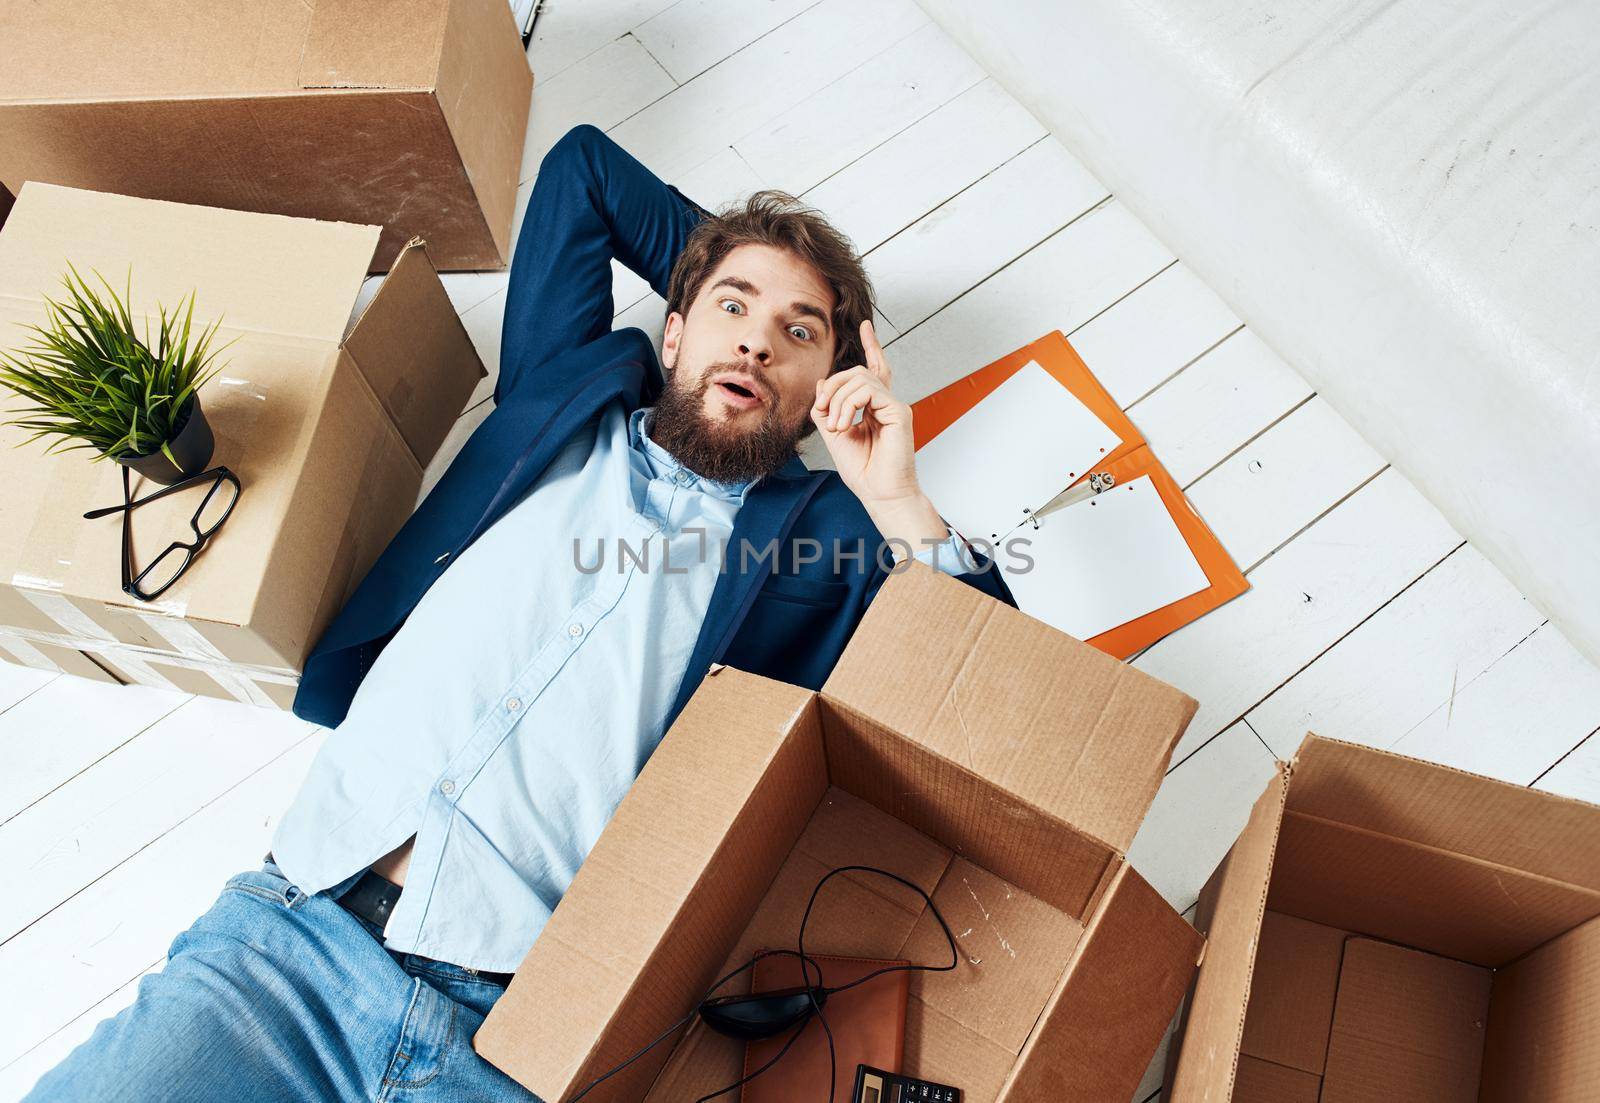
<point>122,810</point>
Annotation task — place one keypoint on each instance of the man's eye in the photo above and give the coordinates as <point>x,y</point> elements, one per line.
<point>800,333</point>
<point>731,306</point>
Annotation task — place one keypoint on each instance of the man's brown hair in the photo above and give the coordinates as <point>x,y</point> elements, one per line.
<point>780,220</point>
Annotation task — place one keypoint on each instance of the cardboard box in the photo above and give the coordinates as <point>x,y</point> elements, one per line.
<point>998,764</point>
<point>328,434</point>
<point>1387,929</point>
<point>409,115</point>
<point>47,656</point>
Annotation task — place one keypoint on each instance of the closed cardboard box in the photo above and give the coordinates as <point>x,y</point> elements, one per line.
<point>408,115</point>
<point>1387,929</point>
<point>994,762</point>
<point>328,434</point>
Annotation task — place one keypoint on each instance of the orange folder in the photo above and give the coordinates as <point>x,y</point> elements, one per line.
<point>1129,460</point>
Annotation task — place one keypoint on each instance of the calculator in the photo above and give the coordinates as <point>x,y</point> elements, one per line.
<point>876,1086</point>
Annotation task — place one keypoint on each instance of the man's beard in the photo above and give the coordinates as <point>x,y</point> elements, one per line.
<point>714,449</point>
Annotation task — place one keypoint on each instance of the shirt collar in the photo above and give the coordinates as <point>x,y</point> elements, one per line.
<point>662,462</point>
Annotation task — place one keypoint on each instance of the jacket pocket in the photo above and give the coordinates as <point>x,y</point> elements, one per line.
<point>805,591</point>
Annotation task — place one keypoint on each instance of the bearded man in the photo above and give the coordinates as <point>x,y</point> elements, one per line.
<point>506,667</point>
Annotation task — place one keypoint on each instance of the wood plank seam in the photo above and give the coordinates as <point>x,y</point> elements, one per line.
<point>312,734</point>
<point>1581,744</point>
<point>1026,252</point>
<point>30,693</point>
<point>676,83</point>
<point>1307,665</point>
<point>111,751</point>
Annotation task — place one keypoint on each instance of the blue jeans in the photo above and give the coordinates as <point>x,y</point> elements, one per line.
<point>277,995</point>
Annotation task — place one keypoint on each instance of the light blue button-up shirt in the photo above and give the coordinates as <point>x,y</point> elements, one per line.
<point>503,724</point>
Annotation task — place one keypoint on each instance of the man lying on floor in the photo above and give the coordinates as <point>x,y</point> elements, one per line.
<point>509,663</point>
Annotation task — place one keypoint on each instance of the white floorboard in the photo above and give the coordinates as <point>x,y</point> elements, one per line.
<point>1283,480</point>
<point>121,924</point>
<point>65,726</point>
<point>1212,407</point>
<point>122,811</point>
<point>1021,202</point>
<point>1157,330</point>
<point>889,187</point>
<point>130,798</point>
<point>18,682</point>
<point>1411,656</point>
<point>1532,706</point>
<point>691,36</point>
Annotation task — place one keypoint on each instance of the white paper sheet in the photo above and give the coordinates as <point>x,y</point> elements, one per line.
<point>1103,562</point>
<point>1019,447</point>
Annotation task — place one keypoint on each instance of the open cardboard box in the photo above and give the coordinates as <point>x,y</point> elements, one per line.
<point>409,115</point>
<point>1386,929</point>
<point>998,764</point>
<point>329,435</point>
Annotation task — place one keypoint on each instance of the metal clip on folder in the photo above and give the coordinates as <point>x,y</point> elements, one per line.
<point>1098,483</point>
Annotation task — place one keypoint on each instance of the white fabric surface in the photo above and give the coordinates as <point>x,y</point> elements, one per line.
<point>1401,197</point>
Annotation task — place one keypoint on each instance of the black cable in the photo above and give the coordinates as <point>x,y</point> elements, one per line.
<point>743,1080</point>
<point>807,963</point>
<point>667,1033</point>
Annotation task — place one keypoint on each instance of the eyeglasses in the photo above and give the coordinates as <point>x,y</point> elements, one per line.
<point>165,569</point>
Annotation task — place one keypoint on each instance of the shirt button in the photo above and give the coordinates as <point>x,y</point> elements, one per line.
<point>574,630</point>
<point>447,786</point>
<point>513,704</point>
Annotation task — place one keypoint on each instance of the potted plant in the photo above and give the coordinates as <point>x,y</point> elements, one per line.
<point>94,382</point>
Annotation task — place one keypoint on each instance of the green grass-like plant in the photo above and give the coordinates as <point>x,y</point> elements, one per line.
<point>95,383</point>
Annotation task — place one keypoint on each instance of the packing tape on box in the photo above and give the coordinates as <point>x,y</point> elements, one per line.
<point>80,625</point>
<point>25,654</point>
<point>241,681</point>
<point>190,644</point>
<point>73,620</point>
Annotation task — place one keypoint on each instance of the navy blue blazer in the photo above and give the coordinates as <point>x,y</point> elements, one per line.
<point>778,616</point>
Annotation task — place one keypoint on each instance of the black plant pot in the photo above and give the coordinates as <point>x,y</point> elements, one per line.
<point>192,446</point>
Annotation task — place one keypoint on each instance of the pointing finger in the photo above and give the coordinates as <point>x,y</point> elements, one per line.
<point>876,361</point>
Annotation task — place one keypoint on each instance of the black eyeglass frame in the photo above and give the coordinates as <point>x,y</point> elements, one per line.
<point>131,583</point>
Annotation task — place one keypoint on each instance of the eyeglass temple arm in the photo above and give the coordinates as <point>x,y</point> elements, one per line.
<point>184,484</point>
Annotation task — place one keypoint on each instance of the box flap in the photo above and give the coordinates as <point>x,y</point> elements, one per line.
<point>359,44</point>
<point>1429,897</point>
<point>1232,908</point>
<point>653,911</point>
<point>261,273</point>
<point>1098,1033</point>
<point>1062,725</point>
<point>415,354</point>
<point>1408,1025</point>
<point>1436,806</point>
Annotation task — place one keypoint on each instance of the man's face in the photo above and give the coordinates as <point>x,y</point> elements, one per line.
<point>743,365</point>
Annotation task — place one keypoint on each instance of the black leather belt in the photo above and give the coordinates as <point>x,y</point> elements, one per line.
<point>373,898</point>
